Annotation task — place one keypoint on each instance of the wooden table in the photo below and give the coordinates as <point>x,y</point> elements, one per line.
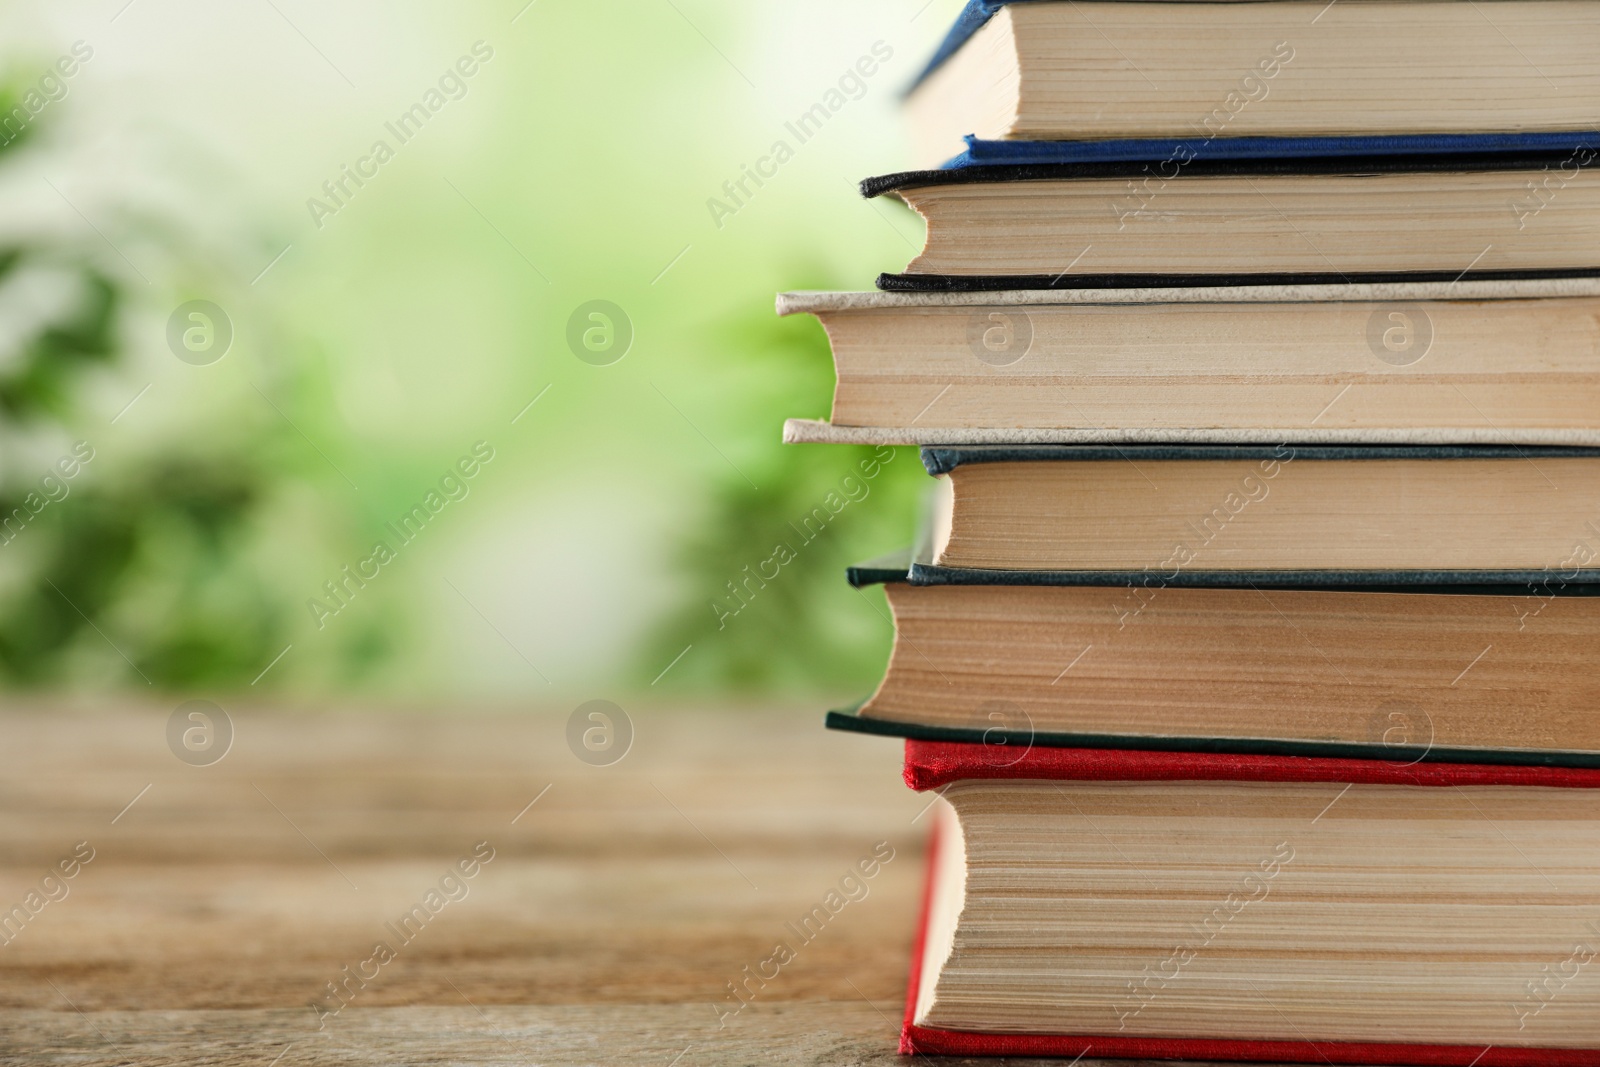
<point>222,899</point>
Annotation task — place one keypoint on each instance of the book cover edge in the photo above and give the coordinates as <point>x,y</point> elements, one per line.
<point>889,282</point>
<point>931,764</point>
<point>1401,159</point>
<point>849,720</point>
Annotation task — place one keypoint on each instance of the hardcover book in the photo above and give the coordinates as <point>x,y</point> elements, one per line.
<point>1214,217</point>
<point>1094,70</point>
<point>1402,363</point>
<point>1406,667</point>
<point>1248,908</point>
<point>1181,510</point>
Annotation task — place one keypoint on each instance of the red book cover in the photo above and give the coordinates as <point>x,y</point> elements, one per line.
<point>934,764</point>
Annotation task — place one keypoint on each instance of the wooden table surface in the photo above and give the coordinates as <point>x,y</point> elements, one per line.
<point>221,900</point>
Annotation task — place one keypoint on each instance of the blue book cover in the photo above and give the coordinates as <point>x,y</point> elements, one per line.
<point>1544,145</point>
<point>969,22</point>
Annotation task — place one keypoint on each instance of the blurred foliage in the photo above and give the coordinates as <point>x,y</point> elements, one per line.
<point>379,345</point>
<point>153,559</point>
<point>804,629</point>
<point>39,383</point>
<point>109,535</point>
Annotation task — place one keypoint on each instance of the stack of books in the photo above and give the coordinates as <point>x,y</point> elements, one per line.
<point>1252,641</point>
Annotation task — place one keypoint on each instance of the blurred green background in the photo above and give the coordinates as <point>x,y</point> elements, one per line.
<point>388,335</point>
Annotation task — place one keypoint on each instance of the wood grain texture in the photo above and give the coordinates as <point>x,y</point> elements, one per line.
<point>604,930</point>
